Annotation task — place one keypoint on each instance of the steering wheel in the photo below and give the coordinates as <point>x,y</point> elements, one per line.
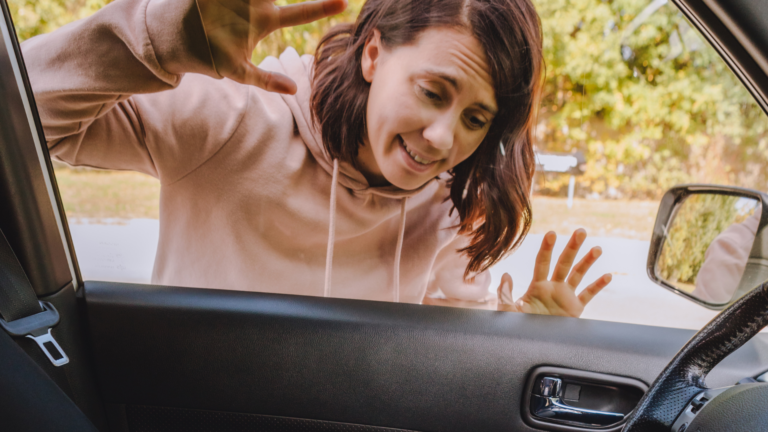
<point>679,391</point>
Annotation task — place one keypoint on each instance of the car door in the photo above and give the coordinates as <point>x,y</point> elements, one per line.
<point>161,358</point>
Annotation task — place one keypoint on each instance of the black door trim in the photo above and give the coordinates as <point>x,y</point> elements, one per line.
<point>402,366</point>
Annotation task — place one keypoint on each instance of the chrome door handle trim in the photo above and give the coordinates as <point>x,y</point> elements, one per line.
<point>550,405</point>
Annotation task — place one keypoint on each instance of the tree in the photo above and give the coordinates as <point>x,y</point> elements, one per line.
<point>651,107</point>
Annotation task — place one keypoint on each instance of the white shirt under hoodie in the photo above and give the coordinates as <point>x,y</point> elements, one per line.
<point>246,184</point>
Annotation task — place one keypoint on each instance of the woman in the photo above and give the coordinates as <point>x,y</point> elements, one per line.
<point>725,260</point>
<point>372,171</point>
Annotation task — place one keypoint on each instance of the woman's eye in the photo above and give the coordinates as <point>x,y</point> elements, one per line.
<point>476,122</point>
<point>430,94</point>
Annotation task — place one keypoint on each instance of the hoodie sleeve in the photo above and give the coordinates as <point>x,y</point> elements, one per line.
<point>725,261</point>
<point>110,93</point>
<point>448,277</point>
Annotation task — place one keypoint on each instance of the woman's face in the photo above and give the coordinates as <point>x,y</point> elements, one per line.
<point>429,108</point>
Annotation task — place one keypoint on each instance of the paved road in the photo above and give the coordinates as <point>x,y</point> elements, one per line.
<point>125,252</point>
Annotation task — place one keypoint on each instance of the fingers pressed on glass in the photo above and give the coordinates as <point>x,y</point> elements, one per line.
<point>505,290</point>
<point>580,269</point>
<point>544,257</point>
<point>591,291</point>
<point>506,301</point>
<point>303,13</point>
<point>565,261</point>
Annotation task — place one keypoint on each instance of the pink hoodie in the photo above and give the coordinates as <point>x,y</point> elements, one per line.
<point>246,184</point>
<point>725,261</point>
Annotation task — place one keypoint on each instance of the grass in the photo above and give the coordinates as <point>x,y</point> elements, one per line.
<point>601,218</point>
<point>97,195</point>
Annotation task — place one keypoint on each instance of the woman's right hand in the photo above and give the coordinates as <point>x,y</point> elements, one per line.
<point>234,27</point>
<point>556,295</point>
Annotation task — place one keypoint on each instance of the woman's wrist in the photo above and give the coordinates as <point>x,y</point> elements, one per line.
<point>178,38</point>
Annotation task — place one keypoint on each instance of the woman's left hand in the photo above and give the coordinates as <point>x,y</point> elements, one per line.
<point>556,296</point>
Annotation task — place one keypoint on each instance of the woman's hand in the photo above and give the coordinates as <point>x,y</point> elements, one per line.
<point>558,295</point>
<point>234,27</point>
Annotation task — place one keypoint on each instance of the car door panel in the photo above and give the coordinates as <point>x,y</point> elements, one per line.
<point>368,363</point>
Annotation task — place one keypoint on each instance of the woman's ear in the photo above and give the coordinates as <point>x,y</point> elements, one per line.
<point>371,55</point>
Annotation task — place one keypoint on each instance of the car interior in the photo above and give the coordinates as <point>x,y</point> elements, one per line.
<point>105,356</point>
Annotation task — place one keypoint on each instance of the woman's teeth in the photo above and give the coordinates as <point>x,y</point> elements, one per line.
<point>414,156</point>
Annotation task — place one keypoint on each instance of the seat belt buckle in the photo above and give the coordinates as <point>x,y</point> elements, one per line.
<point>38,328</point>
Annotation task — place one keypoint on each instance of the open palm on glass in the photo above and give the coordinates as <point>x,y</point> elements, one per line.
<point>555,296</point>
<point>234,27</point>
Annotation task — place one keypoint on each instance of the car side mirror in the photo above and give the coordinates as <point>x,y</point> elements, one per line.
<point>710,243</point>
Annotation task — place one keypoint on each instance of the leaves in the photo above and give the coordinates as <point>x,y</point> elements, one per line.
<point>34,17</point>
<point>650,108</point>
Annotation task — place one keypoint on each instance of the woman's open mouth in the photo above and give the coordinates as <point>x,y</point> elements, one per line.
<point>420,161</point>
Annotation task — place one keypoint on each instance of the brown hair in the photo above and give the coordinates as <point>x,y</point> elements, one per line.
<point>490,189</point>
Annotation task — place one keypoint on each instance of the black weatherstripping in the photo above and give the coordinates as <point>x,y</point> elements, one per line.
<point>402,366</point>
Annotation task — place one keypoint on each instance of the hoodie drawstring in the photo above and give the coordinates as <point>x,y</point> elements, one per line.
<point>399,250</point>
<point>331,231</point>
<point>332,239</point>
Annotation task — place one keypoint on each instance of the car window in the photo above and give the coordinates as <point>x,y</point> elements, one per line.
<point>634,101</point>
<point>636,89</point>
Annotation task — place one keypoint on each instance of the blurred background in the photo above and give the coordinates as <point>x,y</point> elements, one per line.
<point>647,102</point>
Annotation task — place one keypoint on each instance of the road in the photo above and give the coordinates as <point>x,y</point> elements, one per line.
<point>124,251</point>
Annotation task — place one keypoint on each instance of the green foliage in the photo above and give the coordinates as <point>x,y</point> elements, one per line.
<point>653,120</point>
<point>698,221</point>
<point>646,123</point>
<point>34,17</point>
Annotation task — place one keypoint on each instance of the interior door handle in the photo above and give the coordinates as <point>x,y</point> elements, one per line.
<point>549,404</point>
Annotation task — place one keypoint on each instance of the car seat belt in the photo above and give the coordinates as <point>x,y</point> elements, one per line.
<point>21,314</point>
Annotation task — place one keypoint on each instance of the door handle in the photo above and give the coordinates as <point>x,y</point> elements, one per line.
<point>550,405</point>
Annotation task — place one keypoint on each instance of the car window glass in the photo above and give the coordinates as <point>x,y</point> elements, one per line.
<point>634,101</point>
<point>635,89</point>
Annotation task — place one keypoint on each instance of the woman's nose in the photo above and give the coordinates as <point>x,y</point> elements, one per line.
<point>440,132</point>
